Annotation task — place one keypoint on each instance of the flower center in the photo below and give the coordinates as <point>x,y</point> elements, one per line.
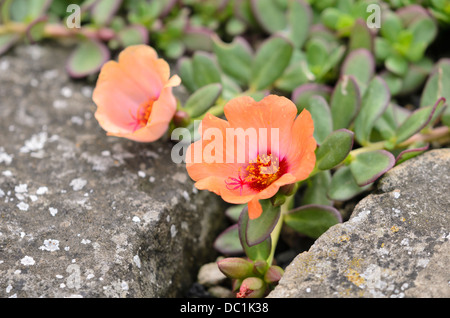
<point>259,173</point>
<point>142,114</point>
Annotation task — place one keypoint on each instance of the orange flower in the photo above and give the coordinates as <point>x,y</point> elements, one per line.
<point>282,152</point>
<point>134,96</point>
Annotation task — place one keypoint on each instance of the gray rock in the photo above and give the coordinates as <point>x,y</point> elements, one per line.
<point>396,243</point>
<point>83,214</point>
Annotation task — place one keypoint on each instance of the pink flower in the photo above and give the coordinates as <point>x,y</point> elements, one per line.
<point>134,95</point>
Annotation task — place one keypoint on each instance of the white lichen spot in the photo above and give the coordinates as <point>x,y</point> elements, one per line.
<point>151,179</point>
<point>90,276</point>
<point>137,261</point>
<point>78,184</point>
<point>4,65</point>
<point>308,290</point>
<point>60,104</point>
<point>8,289</point>
<point>66,92</point>
<point>136,219</point>
<point>7,173</point>
<point>77,120</point>
<point>4,157</point>
<point>173,231</point>
<point>53,211</point>
<point>50,245</point>
<point>186,196</point>
<point>396,194</point>
<point>423,262</point>
<point>35,144</point>
<point>85,242</point>
<point>42,190</point>
<point>21,188</point>
<point>180,177</point>
<point>59,276</point>
<point>106,153</point>
<point>23,206</point>
<point>86,91</point>
<point>141,174</point>
<point>27,261</point>
<point>33,198</point>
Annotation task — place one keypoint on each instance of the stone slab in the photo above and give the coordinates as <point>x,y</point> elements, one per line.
<point>83,214</point>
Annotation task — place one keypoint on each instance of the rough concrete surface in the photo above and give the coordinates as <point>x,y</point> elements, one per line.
<point>83,214</point>
<point>396,243</point>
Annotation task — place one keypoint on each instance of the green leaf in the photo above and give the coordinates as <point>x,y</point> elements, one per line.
<point>260,251</point>
<point>361,37</point>
<point>317,188</point>
<point>186,72</point>
<point>132,35</point>
<point>321,115</point>
<point>258,230</point>
<point>228,242</point>
<point>317,54</point>
<point>369,166</point>
<point>302,94</point>
<point>411,152</point>
<point>374,103</point>
<point>334,149</point>
<point>424,31</point>
<point>345,102</point>
<point>437,84</point>
<point>7,41</point>
<point>104,10</point>
<point>270,61</point>
<point>416,75</point>
<point>296,74</point>
<point>437,87</point>
<point>234,211</point>
<point>27,11</point>
<point>202,100</point>
<point>383,49</point>
<point>361,65</point>
<point>397,65</point>
<point>234,59</point>
<point>391,26</point>
<point>35,30</point>
<point>343,186</point>
<point>269,15</point>
<point>387,124</point>
<point>330,17</point>
<point>417,121</point>
<point>312,220</point>
<point>299,18</point>
<point>88,58</point>
<point>198,39</point>
<point>205,70</point>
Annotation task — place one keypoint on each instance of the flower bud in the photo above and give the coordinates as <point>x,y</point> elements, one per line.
<point>289,189</point>
<point>260,267</point>
<point>235,267</point>
<point>273,274</point>
<point>181,118</point>
<point>278,199</point>
<point>252,287</point>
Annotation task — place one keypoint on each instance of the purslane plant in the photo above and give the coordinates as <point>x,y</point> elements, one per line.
<point>310,94</point>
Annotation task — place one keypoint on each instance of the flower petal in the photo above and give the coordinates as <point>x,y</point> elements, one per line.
<point>301,155</point>
<point>142,64</point>
<point>254,209</point>
<point>273,111</point>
